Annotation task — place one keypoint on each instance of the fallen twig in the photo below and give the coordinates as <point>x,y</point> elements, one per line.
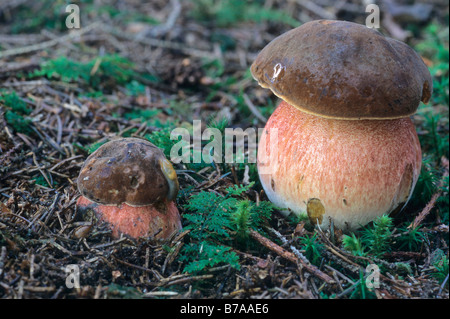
<point>47,44</point>
<point>162,29</point>
<point>291,257</point>
<point>253,109</point>
<point>427,209</point>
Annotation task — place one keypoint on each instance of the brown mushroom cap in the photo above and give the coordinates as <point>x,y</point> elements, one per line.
<point>128,170</point>
<point>344,70</point>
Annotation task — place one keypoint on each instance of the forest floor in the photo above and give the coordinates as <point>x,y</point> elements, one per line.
<point>141,69</point>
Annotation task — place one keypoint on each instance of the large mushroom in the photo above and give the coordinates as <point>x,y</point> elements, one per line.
<point>130,185</point>
<point>347,149</point>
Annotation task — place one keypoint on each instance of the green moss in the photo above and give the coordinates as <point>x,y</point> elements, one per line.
<point>16,112</point>
<point>225,13</point>
<point>18,122</point>
<point>97,74</point>
<point>40,180</point>
<point>144,115</point>
<point>313,248</point>
<point>218,222</point>
<point>441,269</point>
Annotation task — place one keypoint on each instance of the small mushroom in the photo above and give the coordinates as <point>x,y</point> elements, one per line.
<point>347,150</point>
<point>131,185</point>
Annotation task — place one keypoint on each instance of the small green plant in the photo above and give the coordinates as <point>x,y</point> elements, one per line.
<point>378,237</point>
<point>427,182</point>
<point>207,218</point>
<point>205,254</point>
<point>441,267</point>
<point>214,68</point>
<point>410,238</point>
<point>199,158</point>
<point>98,73</point>
<point>228,12</point>
<point>143,115</point>
<point>435,142</point>
<point>440,90</point>
<point>375,240</point>
<point>14,102</point>
<point>360,290</point>
<point>215,223</point>
<point>435,48</point>
<point>18,122</point>
<point>40,180</point>
<point>241,219</point>
<point>89,148</point>
<point>403,269</point>
<point>261,213</point>
<point>250,171</point>
<point>443,200</point>
<point>52,16</point>
<point>430,182</point>
<point>313,248</point>
<point>353,244</point>
<point>94,146</point>
<point>16,112</point>
<point>162,139</point>
<point>135,88</point>
<point>249,216</point>
<point>243,168</point>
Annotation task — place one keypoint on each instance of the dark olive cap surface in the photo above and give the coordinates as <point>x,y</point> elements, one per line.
<point>344,70</point>
<point>127,170</point>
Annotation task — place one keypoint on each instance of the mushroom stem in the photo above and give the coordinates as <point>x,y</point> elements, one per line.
<point>345,170</point>
<point>160,222</point>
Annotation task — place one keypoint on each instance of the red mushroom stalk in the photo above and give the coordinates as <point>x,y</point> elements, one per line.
<point>346,171</point>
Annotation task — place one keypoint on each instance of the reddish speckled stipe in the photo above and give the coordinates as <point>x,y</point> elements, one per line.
<point>145,221</point>
<point>357,169</point>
